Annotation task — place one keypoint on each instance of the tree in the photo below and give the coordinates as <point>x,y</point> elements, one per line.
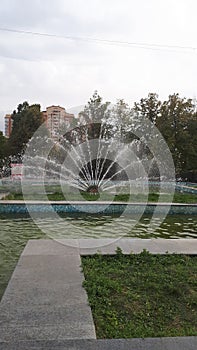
<point>94,114</point>
<point>178,125</point>
<point>2,145</point>
<point>176,120</point>
<point>3,141</point>
<point>119,120</point>
<point>149,107</point>
<point>95,110</point>
<point>26,120</point>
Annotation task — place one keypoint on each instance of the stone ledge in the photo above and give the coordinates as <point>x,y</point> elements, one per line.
<point>174,343</point>
<point>91,246</point>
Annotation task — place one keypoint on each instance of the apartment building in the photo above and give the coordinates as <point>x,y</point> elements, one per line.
<point>55,117</point>
<point>8,125</point>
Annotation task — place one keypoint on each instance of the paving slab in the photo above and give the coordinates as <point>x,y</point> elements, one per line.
<point>17,333</point>
<point>51,247</point>
<point>40,315</point>
<point>68,294</point>
<point>45,298</point>
<point>48,268</point>
<point>180,246</point>
<point>136,245</point>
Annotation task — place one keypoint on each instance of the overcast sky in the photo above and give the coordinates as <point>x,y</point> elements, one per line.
<point>52,70</point>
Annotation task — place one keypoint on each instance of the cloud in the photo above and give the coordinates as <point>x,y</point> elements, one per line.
<point>66,72</point>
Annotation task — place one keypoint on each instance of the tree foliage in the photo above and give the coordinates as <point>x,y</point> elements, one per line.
<point>149,107</point>
<point>3,142</point>
<point>26,120</point>
<point>2,145</point>
<point>95,110</point>
<point>178,124</point>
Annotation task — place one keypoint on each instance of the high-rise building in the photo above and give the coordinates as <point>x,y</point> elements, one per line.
<point>55,117</point>
<point>8,125</point>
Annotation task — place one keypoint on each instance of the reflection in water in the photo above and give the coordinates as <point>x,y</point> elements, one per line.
<point>21,228</point>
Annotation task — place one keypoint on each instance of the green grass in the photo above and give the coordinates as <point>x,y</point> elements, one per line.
<point>142,295</point>
<point>153,197</point>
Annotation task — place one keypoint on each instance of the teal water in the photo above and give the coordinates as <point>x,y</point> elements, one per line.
<point>15,231</point>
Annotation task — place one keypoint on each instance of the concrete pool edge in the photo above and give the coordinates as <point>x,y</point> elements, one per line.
<point>18,300</point>
<point>173,343</point>
<point>21,207</point>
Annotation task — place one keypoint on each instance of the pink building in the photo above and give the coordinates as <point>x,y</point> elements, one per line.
<point>55,117</point>
<point>8,125</point>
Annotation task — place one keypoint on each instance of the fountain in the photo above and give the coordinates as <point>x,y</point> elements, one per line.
<point>90,167</point>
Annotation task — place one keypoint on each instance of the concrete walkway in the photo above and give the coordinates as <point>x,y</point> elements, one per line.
<point>45,306</point>
<point>45,298</point>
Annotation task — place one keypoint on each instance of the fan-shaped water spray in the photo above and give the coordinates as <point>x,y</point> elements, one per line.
<point>91,162</point>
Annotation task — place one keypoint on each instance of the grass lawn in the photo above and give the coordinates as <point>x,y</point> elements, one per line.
<point>153,197</point>
<point>142,295</point>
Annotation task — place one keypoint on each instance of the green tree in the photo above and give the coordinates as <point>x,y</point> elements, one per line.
<point>90,119</point>
<point>149,107</point>
<point>26,120</point>
<point>95,110</point>
<point>189,150</point>
<point>2,145</point>
<point>178,124</point>
<point>119,121</point>
<point>3,142</point>
<point>176,120</point>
